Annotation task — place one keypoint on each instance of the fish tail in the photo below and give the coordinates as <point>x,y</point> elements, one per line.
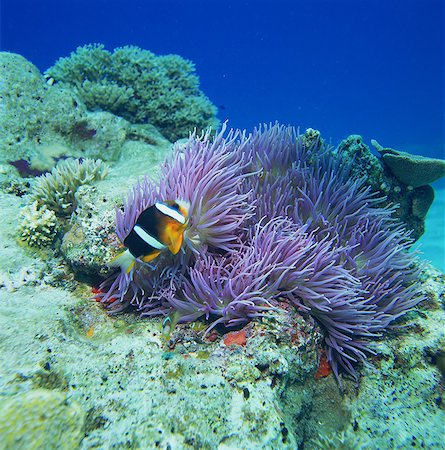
<point>124,260</point>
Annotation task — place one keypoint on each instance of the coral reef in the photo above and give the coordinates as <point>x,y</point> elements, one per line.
<point>273,219</point>
<point>403,389</point>
<point>256,388</point>
<point>44,123</point>
<point>53,196</point>
<point>40,419</point>
<point>136,389</point>
<point>32,112</point>
<point>139,86</point>
<point>299,241</point>
<point>56,190</point>
<point>38,226</point>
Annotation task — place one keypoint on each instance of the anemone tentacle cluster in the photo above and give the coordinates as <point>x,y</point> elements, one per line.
<point>273,217</point>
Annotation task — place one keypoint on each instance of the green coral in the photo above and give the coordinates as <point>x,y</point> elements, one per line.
<point>38,227</point>
<point>139,86</point>
<point>43,122</point>
<point>32,113</point>
<point>411,170</point>
<point>57,189</point>
<point>40,419</point>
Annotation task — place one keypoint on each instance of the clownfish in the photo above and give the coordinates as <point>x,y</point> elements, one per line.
<point>158,228</point>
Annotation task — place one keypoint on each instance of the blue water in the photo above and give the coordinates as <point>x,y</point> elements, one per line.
<point>373,68</point>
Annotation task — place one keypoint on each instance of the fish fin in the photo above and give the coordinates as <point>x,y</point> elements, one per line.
<point>168,324</point>
<point>151,256</point>
<point>176,243</point>
<point>124,260</point>
<point>173,236</point>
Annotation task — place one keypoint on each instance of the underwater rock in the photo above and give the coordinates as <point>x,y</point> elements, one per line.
<point>44,123</point>
<point>190,392</point>
<point>311,138</point>
<point>404,389</point>
<point>412,203</point>
<point>31,110</point>
<point>40,419</point>
<point>365,164</point>
<point>411,170</point>
<point>186,392</point>
<point>422,199</point>
<point>90,241</point>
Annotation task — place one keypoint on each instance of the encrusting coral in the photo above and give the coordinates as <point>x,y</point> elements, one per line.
<point>272,218</point>
<point>138,86</point>
<point>56,189</point>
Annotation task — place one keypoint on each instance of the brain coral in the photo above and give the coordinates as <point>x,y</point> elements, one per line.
<point>139,86</point>
<point>273,217</point>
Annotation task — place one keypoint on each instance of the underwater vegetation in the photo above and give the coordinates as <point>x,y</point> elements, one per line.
<point>139,86</point>
<point>273,217</point>
<point>53,198</point>
<point>57,188</point>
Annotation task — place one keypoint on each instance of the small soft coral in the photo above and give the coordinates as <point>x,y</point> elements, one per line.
<point>56,189</point>
<point>39,226</point>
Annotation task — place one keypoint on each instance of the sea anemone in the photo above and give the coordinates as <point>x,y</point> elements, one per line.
<point>208,175</point>
<point>273,216</point>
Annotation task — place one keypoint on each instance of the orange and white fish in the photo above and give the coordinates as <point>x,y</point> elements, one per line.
<point>158,228</point>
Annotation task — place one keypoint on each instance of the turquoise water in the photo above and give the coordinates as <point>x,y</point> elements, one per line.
<point>432,243</point>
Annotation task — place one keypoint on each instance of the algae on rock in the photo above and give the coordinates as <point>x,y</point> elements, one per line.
<point>40,419</point>
<point>43,123</point>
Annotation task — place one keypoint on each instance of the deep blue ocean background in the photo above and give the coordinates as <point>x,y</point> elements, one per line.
<point>374,68</point>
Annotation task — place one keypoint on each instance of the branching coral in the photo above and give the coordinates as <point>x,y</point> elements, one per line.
<point>273,216</point>
<point>139,86</point>
<point>56,189</point>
